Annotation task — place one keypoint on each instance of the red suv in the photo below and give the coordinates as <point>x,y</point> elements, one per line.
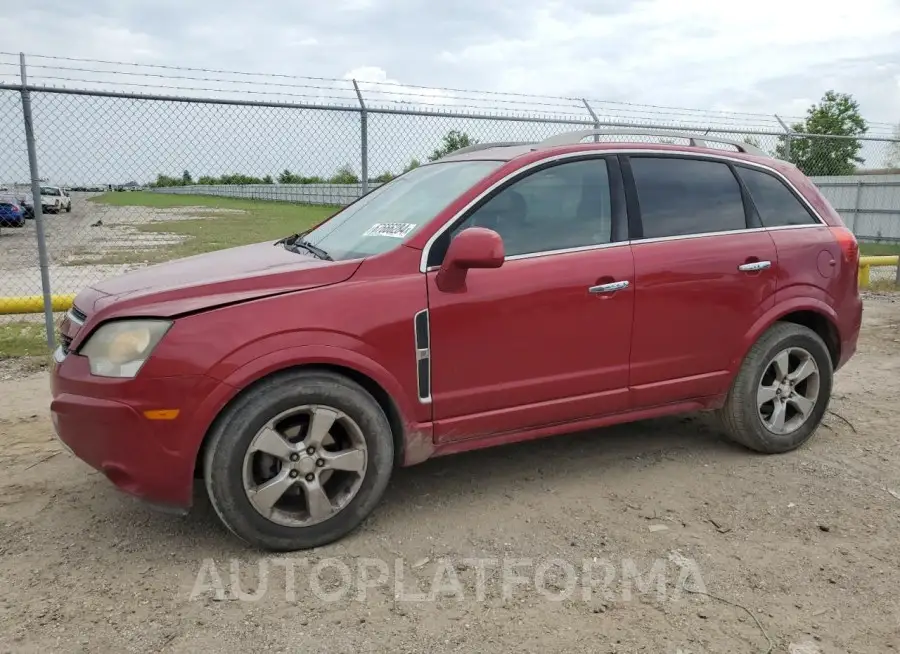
<point>502,293</point>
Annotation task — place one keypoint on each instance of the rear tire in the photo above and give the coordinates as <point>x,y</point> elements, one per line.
<point>287,404</point>
<point>772,407</point>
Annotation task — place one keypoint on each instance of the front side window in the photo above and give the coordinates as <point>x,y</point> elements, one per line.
<point>680,196</point>
<point>49,190</point>
<point>389,215</point>
<point>564,206</point>
<point>776,204</point>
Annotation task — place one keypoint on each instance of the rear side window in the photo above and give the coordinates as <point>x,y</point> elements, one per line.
<point>687,196</point>
<point>776,204</point>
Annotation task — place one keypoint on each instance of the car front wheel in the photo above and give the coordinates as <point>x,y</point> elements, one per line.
<point>298,461</point>
<point>781,393</point>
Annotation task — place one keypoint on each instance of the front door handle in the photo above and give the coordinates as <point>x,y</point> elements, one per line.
<point>754,266</point>
<point>612,287</point>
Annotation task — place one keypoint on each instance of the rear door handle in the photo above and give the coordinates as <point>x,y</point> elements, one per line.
<point>755,265</point>
<point>612,287</point>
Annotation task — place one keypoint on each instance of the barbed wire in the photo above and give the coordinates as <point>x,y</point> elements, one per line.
<point>385,92</point>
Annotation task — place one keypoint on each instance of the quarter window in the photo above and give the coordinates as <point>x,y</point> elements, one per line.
<point>556,208</point>
<point>680,196</point>
<point>776,204</point>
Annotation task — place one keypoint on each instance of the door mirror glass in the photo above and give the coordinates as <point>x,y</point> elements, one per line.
<point>476,247</point>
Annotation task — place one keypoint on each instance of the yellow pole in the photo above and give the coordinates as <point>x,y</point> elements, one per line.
<point>34,304</point>
<point>864,270</point>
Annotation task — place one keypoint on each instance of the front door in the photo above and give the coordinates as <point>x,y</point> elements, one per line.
<point>544,339</point>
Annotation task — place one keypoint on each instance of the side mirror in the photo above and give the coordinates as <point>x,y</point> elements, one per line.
<point>475,247</point>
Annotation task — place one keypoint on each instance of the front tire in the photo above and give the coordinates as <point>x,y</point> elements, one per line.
<point>781,393</point>
<point>299,461</point>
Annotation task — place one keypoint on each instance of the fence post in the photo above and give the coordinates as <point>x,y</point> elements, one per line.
<point>594,116</point>
<point>856,204</point>
<point>787,139</point>
<point>38,210</point>
<point>363,138</point>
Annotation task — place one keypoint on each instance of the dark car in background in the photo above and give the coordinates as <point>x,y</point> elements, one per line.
<point>26,200</point>
<point>11,212</point>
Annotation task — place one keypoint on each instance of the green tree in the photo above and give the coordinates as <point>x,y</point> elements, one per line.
<point>452,141</point>
<point>385,177</point>
<point>413,163</point>
<point>267,179</point>
<point>837,114</point>
<point>286,177</point>
<point>165,180</point>
<point>344,175</point>
<point>186,179</point>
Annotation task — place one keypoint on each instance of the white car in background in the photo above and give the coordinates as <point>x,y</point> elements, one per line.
<point>55,199</point>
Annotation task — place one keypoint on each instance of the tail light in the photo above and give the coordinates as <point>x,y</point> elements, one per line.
<point>849,246</point>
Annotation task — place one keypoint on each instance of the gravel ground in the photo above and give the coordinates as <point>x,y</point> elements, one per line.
<point>90,230</point>
<point>800,550</point>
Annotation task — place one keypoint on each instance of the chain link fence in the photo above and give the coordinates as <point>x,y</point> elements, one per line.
<point>129,179</point>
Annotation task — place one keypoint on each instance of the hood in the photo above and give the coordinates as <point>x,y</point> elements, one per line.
<point>208,280</point>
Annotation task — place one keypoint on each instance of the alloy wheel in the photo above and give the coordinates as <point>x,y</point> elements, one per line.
<point>305,465</point>
<point>788,390</point>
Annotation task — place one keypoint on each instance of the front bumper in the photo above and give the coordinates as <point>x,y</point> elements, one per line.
<point>102,422</point>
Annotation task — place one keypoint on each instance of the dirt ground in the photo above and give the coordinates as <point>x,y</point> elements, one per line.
<point>805,542</point>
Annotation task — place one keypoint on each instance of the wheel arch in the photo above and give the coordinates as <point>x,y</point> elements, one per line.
<point>808,312</point>
<point>400,421</point>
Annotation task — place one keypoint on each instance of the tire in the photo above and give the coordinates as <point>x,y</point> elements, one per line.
<point>226,459</point>
<point>743,417</point>
<point>69,208</point>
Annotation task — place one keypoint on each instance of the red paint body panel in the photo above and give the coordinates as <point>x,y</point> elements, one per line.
<point>517,352</point>
<point>527,344</point>
<point>692,309</point>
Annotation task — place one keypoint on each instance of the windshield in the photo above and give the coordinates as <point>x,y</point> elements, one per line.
<point>383,219</point>
<point>49,190</point>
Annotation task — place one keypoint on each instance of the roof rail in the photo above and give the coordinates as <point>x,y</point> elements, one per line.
<point>485,146</point>
<point>695,140</point>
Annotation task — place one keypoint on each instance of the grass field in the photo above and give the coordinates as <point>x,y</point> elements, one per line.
<point>22,338</point>
<point>879,249</point>
<point>214,227</point>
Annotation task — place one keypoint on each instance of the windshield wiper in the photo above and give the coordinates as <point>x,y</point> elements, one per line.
<point>296,241</point>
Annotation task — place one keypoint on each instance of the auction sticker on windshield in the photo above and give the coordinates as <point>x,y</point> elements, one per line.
<point>394,230</point>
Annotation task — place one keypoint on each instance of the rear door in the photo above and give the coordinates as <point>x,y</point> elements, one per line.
<point>544,339</point>
<point>704,273</point>
<point>808,254</point>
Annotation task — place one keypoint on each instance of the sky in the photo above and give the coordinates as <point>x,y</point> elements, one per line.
<point>763,57</point>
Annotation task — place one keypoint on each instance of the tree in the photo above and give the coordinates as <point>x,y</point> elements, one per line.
<point>385,177</point>
<point>165,181</point>
<point>186,179</point>
<point>344,175</point>
<point>453,141</point>
<point>267,179</point>
<point>837,114</point>
<point>892,160</point>
<point>413,163</point>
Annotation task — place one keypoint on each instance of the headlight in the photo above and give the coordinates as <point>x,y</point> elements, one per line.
<point>120,348</point>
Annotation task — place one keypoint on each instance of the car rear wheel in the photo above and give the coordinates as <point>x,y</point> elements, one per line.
<point>299,461</point>
<point>781,393</point>
<point>69,208</point>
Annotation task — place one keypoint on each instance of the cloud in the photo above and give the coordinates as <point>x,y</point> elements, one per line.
<point>766,58</point>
